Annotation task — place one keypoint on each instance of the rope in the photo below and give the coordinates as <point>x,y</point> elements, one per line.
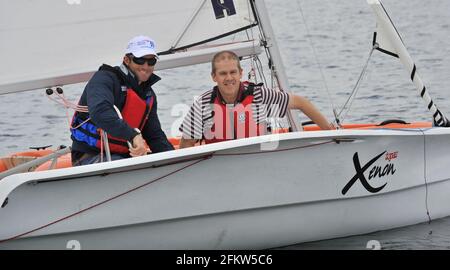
<point>67,104</point>
<point>102,202</point>
<point>252,72</point>
<point>275,151</point>
<point>266,50</point>
<point>82,123</point>
<point>260,69</point>
<point>425,177</point>
<point>352,96</point>
<point>101,145</point>
<point>316,58</point>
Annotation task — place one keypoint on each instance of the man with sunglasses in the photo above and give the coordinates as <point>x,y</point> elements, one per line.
<point>122,103</point>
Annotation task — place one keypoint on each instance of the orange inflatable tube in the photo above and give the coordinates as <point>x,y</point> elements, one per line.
<point>34,153</point>
<point>2,166</point>
<point>18,158</point>
<point>64,161</point>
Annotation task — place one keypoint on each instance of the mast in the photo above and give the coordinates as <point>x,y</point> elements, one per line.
<point>275,61</point>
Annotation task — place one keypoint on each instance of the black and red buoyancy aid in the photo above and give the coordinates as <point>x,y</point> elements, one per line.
<point>135,113</point>
<point>234,121</point>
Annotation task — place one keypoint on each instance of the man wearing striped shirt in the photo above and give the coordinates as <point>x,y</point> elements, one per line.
<point>235,109</point>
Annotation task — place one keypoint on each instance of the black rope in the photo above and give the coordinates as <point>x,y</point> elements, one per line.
<point>425,177</point>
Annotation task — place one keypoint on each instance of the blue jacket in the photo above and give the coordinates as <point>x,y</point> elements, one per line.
<point>105,90</point>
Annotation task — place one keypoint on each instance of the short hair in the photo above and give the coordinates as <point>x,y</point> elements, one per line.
<point>224,55</point>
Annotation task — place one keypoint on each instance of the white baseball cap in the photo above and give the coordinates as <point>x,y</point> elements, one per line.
<point>140,46</point>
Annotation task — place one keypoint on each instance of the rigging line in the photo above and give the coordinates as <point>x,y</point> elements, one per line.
<point>82,123</point>
<point>188,24</point>
<point>272,80</point>
<point>185,47</point>
<point>260,68</point>
<point>62,100</point>
<point>352,96</point>
<point>68,118</point>
<point>269,58</point>
<point>251,58</point>
<point>252,37</point>
<point>64,104</point>
<point>252,74</point>
<point>206,157</point>
<point>263,40</point>
<point>277,150</point>
<point>250,11</point>
<point>425,177</point>
<point>264,43</point>
<point>309,38</point>
<point>261,74</point>
<point>71,104</point>
<point>68,104</point>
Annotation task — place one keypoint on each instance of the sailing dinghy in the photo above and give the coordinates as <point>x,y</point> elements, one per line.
<point>302,184</point>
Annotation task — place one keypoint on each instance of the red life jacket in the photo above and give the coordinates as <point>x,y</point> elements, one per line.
<point>135,113</point>
<point>234,121</point>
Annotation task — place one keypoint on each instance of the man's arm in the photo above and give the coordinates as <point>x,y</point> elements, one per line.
<point>191,128</point>
<point>100,101</point>
<point>303,104</point>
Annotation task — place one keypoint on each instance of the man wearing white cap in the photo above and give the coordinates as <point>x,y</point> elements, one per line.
<point>122,103</point>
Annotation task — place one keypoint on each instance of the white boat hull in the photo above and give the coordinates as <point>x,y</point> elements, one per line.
<point>237,198</point>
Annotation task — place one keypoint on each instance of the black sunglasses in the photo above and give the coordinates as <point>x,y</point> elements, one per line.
<point>142,60</point>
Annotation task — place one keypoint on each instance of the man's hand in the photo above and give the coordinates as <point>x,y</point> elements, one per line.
<point>185,143</point>
<point>139,147</point>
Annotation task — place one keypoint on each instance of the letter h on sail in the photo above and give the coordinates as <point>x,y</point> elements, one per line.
<point>221,5</point>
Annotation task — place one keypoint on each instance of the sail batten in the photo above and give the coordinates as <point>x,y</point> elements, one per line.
<point>45,40</point>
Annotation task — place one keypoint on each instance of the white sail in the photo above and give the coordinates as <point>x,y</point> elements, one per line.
<point>47,42</point>
<point>382,43</point>
<point>381,38</point>
<point>388,40</point>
